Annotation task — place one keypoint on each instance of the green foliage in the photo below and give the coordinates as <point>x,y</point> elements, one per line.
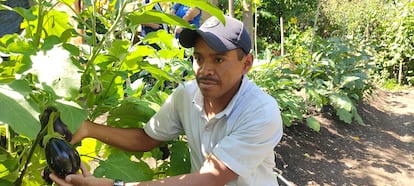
<point>180,159</point>
<point>119,166</point>
<point>334,75</point>
<point>387,26</point>
<point>42,67</point>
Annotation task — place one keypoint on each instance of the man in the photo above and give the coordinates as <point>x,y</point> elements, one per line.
<point>232,126</point>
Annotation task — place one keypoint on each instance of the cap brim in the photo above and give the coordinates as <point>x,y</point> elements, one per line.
<point>189,37</point>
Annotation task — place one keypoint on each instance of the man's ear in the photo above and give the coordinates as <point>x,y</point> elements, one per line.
<point>248,62</point>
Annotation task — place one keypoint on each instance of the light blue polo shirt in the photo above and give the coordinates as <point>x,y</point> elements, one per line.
<point>243,136</point>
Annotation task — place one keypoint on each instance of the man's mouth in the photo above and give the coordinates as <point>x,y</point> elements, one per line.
<point>206,83</point>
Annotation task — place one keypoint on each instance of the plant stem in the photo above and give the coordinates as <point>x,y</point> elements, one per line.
<point>38,34</point>
<point>19,181</point>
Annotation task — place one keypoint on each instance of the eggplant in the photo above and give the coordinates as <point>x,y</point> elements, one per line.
<point>62,158</point>
<point>165,151</point>
<point>62,129</point>
<point>58,125</point>
<point>44,117</point>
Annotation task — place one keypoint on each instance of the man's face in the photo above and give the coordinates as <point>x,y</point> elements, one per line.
<point>219,74</point>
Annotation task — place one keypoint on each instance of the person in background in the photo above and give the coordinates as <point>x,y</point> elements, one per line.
<point>232,126</point>
<point>190,14</point>
<point>152,27</point>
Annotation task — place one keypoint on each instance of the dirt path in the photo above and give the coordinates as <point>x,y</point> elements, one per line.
<point>380,153</point>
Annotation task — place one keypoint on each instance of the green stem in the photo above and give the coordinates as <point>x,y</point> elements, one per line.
<point>97,49</point>
<point>49,130</point>
<point>38,34</point>
<point>19,181</point>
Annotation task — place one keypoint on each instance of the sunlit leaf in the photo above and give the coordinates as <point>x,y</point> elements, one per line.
<point>131,112</point>
<point>344,115</point>
<point>89,149</point>
<point>179,160</point>
<point>154,16</point>
<point>202,4</point>
<point>313,124</point>
<point>342,102</point>
<point>68,2</point>
<point>16,111</point>
<point>119,166</point>
<point>71,113</point>
<point>158,72</point>
<point>119,48</point>
<point>56,72</point>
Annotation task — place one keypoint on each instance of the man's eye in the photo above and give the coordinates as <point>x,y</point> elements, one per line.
<point>196,58</point>
<point>219,60</point>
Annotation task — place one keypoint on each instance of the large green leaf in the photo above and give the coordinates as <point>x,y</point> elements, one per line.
<point>56,72</point>
<point>16,111</point>
<point>313,123</point>
<point>55,23</point>
<point>340,101</point>
<point>89,149</point>
<point>202,4</point>
<point>158,72</point>
<point>131,112</point>
<point>344,115</point>
<point>71,113</point>
<point>119,48</point>
<point>135,56</point>
<point>119,166</point>
<point>180,159</point>
<point>153,16</point>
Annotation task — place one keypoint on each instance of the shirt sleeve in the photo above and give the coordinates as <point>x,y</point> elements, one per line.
<point>252,142</point>
<point>175,7</point>
<point>165,125</point>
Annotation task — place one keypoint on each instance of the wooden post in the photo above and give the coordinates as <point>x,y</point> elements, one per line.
<point>78,8</point>
<point>282,50</point>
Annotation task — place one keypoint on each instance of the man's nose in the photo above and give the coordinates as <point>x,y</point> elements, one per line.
<point>205,69</point>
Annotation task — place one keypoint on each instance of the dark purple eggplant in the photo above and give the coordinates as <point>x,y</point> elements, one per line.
<point>165,151</point>
<point>44,117</point>
<point>62,129</point>
<point>62,158</point>
<point>58,125</point>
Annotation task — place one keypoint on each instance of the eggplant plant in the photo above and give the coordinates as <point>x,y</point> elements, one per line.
<point>42,69</point>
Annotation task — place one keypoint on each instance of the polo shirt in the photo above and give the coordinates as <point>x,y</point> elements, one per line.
<point>243,136</point>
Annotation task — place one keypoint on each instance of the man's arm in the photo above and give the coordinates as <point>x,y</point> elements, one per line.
<point>153,25</point>
<point>191,14</point>
<point>129,139</point>
<point>213,173</point>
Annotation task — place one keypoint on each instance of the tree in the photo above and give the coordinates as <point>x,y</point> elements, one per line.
<point>248,18</point>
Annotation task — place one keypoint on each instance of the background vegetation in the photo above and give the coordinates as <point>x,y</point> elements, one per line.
<point>312,56</point>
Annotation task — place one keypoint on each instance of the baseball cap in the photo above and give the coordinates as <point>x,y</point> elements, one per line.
<point>218,36</point>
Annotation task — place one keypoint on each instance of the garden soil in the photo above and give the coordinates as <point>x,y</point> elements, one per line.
<point>379,153</point>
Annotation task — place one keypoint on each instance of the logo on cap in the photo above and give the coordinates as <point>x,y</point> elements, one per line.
<point>212,22</point>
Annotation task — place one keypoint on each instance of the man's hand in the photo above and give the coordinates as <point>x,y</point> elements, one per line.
<point>81,132</point>
<point>85,178</point>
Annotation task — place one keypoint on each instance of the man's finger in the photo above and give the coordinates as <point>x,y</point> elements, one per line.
<point>58,180</point>
<point>85,171</point>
